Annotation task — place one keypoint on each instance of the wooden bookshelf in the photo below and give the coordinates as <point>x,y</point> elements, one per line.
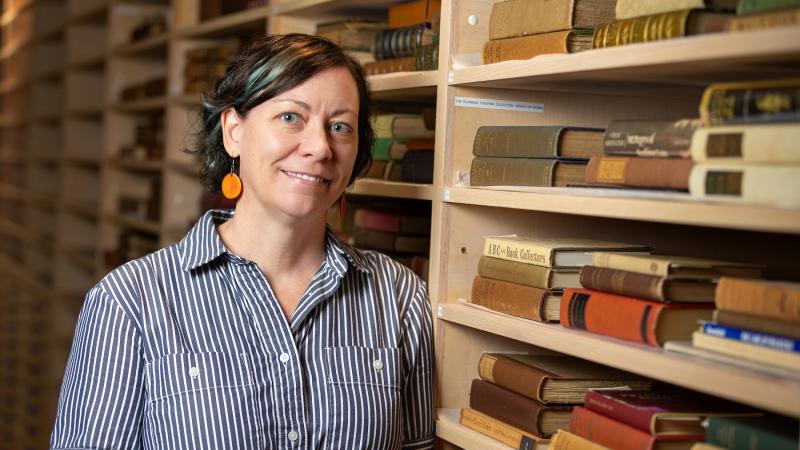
<point>143,105</point>
<point>155,46</point>
<point>248,19</point>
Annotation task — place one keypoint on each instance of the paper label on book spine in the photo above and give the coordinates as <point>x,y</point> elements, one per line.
<point>612,170</point>
<point>507,105</point>
<point>724,145</point>
<point>723,182</point>
<point>516,251</point>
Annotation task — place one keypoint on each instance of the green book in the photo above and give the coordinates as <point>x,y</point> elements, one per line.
<point>754,6</point>
<point>753,433</point>
<point>538,142</point>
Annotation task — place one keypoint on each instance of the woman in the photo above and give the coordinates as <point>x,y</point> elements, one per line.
<point>260,329</point>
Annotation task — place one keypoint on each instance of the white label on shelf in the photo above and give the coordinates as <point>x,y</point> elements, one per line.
<point>488,103</point>
<point>446,195</point>
<point>439,311</point>
<point>450,77</point>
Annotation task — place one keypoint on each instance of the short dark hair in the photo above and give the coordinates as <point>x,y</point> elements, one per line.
<point>268,68</point>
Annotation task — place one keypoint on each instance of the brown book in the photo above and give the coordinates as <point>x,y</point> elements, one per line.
<point>773,299</point>
<point>526,47</point>
<point>663,289</point>
<point>489,171</point>
<point>391,65</point>
<point>768,19</point>
<point>677,266</point>
<point>627,9</point>
<point>757,323</point>
<point>537,142</point>
<point>390,242</point>
<point>512,18</point>
<point>413,13</point>
<point>659,27</point>
<point>553,379</point>
<point>518,300</point>
<point>516,410</point>
<point>660,173</point>
<point>355,34</point>
<point>527,274</point>
<point>496,429</point>
<point>651,138</point>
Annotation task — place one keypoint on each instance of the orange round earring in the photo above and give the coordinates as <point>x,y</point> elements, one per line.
<point>232,184</point>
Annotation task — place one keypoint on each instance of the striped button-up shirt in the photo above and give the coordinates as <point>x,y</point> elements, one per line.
<point>187,348</point>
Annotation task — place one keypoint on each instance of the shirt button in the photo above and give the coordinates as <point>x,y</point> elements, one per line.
<point>194,372</point>
<point>377,364</point>
<point>284,357</point>
<point>293,435</point>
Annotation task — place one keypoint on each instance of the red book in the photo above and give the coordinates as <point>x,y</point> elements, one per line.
<point>631,319</point>
<point>662,413</point>
<point>612,434</point>
<point>372,219</point>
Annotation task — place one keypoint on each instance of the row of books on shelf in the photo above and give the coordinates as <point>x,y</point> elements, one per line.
<point>522,29</point>
<point>742,148</point>
<point>528,401</point>
<point>404,147</point>
<point>148,139</point>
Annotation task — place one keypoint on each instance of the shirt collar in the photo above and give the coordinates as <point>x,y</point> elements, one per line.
<point>202,245</point>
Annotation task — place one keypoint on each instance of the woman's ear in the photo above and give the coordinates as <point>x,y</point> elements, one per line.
<point>231,125</point>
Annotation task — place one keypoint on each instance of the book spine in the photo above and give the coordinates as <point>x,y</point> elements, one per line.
<point>736,435</point>
<point>514,18</point>
<point>768,356</point>
<point>641,29</point>
<point>623,283</point>
<point>392,65</point>
<point>658,268</point>
<point>757,323</point>
<point>375,220</point>
<point>489,171</point>
<point>564,440</point>
<point>649,138</point>
<point>512,375</point>
<point>761,102</point>
<point>619,411</point>
<point>518,250</point>
<point>515,272</point>
<point>748,143</point>
<point>525,47</point>
<point>754,6</point>
<point>664,173</point>
<point>781,343</point>
<point>769,19</point>
<point>496,429</point>
<point>417,166</point>
<point>627,9</point>
<point>506,406</point>
<point>509,298</point>
<point>608,432</point>
<point>773,185</point>
<point>511,141</point>
<point>412,13</point>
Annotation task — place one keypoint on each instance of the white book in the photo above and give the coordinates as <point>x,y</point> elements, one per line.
<point>770,185</point>
<point>748,143</point>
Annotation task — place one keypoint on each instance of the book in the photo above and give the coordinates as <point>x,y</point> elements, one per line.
<point>401,42</point>
<point>747,143</point>
<point>553,379</point>
<point>491,171</point>
<point>651,138</point>
<point>773,184</point>
<point>635,320</point>
<point>417,167</point>
<point>774,299</point>
<point>753,433</point>
<point>391,65</point>
<point>413,13</point>
<point>496,429</point>
<point>767,19</point>
<point>672,265</point>
<point>744,350</point>
<point>651,173</point>
<point>518,300</point>
<point>686,349</point>
<point>754,6</point>
<point>537,142</point>
<point>657,27</point>
<point>650,287</point>
<point>558,253</point>
<point>627,9</point>
<point>564,440</point>
<point>527,274</point>
<point>388,148</point>
<point>662,413</point>
<point>608,432</point>
<point>399,126</point>
<point>426,57</point>
<point>765,340</point>
<point>351,34</point>
<point>705,446</point>
<point>516,410</point>
<point>757,323</point>
<point>373,219</point>
<point>769,101</point>
<point>527,47</point>
<point>390,242</point>
<point>512,18</point>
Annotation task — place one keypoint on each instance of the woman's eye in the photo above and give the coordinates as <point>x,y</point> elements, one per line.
<point>289,117</point>
<point>340,127</point>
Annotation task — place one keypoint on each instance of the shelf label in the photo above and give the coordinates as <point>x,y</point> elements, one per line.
<point>439,311</point>
<point>488,103</point>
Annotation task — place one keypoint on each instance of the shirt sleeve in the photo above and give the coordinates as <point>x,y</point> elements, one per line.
<point>101,400</point>
<point>418,422</point>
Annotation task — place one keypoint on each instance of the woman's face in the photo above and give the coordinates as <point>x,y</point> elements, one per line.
<point>297,150</point>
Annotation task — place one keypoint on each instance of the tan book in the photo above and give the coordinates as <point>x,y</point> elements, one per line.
<point>564,440</point>
<point>527,47</point>
<point>512,18</point>
<point>752,322</point>
<point>772,184</point>
<point>352,34</point>
<point>650,287</point>
<point>671,265</point>
<point>650,173</point>
<point>627,9</point>
<point>553,379</point>
<point>503,432</point>
<point>491,171</point>
<point>775,299</point>
<point>768,19</point>
<point>748,143</point>
<point>555,252</point>
<point>541,305</point>
<point>744,350</point>
<point>506,141</point>
<point>528,274</point>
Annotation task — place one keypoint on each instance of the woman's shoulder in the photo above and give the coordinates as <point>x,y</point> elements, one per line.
<point>136,274</point>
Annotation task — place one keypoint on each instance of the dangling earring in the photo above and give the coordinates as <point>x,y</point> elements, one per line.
<point>343,205</point>
<point>232,184</point>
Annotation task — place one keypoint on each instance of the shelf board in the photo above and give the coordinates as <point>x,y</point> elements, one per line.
<point>661,68</point>
<point>143,105</point>
<point>355,8</point>
<point>138,166</point>
<point>155,46</point>
<point>404,86</point>
<point>449,429</point>
<point>223,26</point>
<point>135,224</point>
<point>394,189</point>
<point>632,205</point>
<point>761,390</point>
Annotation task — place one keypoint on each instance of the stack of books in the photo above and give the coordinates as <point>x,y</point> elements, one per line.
<point>204,65</point>
<point>356,36</point>
<point>403,148</point>
<point>526,277</point>
<point>521,400</point>
<point>533,155</point>
<point>654,20</point>
<point>523,29</point>
<point>644,154</point>
<point>410,42</point>
<point>759,14</point>
<point>655,298</point>
<point>748,151</point>
<point>148,141</point>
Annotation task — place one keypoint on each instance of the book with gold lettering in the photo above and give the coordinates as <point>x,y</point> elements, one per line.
<point>763,101</point>
<point>556,252</point>
<point>658,27</point>
<point>650,138</point>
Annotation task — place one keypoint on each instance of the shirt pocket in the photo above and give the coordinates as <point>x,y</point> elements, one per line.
<point>366,366</point>
<point>184,373</point>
